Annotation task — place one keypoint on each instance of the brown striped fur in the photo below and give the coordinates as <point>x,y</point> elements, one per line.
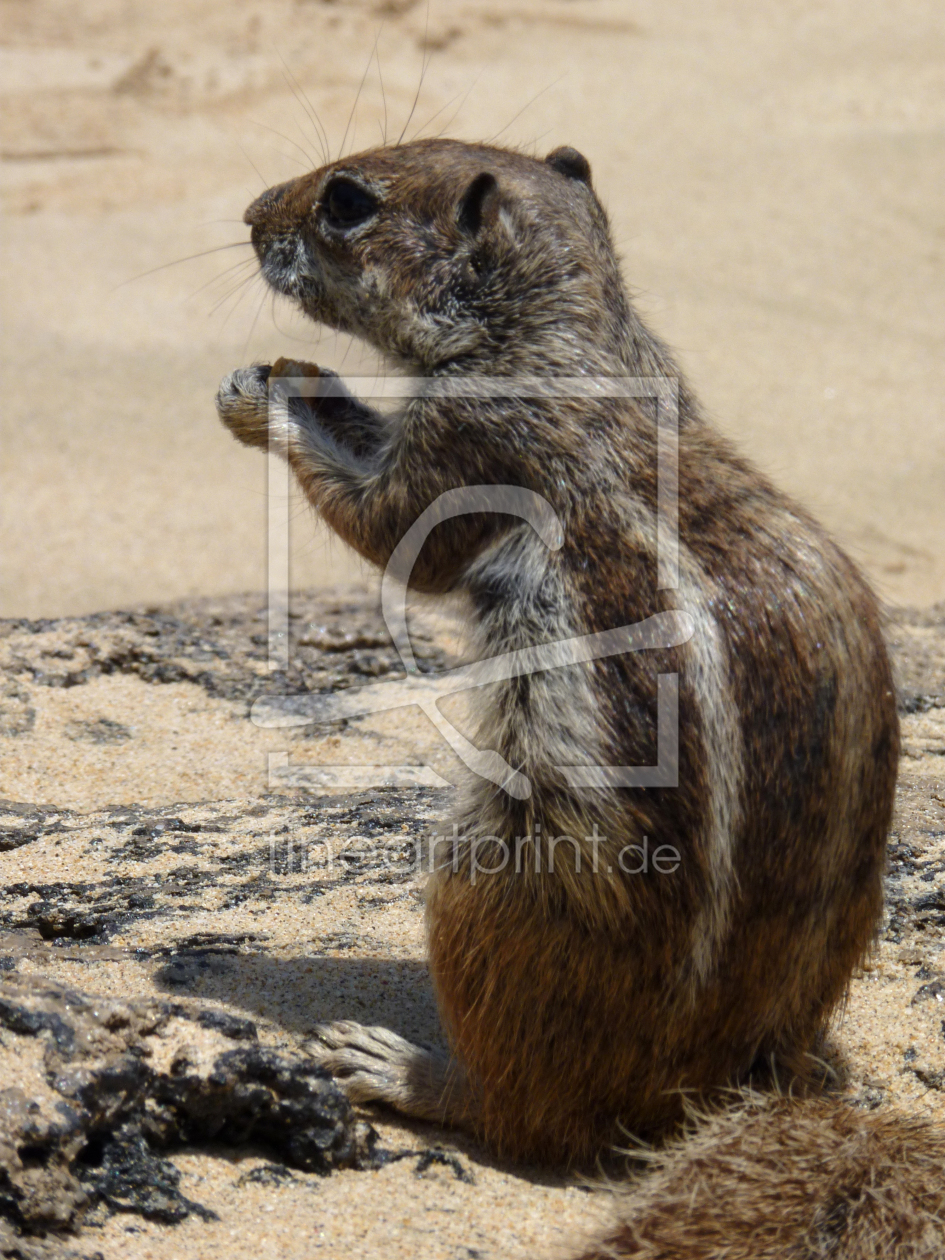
<point>581,1004</point>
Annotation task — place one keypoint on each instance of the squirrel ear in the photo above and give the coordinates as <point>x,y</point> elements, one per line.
<point>477,202</point>
<point>569,162</point>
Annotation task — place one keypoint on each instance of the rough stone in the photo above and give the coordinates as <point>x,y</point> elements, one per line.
<point>125,1080</point>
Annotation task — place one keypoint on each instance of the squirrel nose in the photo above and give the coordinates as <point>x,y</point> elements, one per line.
<point>265,204</point>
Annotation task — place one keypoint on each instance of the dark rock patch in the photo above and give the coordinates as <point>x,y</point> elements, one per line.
<point>216,644</point>
<point>17,714</point>
<point>267,1175</point>
<point>96,1134</point>
<point>445,1159</point>
<point>124,1174</point>
<point>934,992</point>
<point>21,823</point>
<point>916,639</point>
<point>98,731</point>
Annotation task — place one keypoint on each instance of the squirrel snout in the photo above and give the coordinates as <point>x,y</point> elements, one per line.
<point>259,211</point>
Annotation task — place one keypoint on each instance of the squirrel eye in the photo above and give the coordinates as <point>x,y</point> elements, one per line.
<point>346,204</point>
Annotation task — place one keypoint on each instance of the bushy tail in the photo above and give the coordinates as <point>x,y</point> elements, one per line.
<point>786,1179</point>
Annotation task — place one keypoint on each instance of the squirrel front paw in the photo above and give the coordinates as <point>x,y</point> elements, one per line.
<point>243,404</point>
<point>243,398</point>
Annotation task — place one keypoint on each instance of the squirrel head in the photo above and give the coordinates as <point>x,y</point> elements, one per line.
<point>440,253</point>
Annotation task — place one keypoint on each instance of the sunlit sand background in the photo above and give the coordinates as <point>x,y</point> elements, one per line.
<point>774,173</point>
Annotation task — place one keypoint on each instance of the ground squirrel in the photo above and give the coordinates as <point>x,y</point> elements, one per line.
<point>582,999</point>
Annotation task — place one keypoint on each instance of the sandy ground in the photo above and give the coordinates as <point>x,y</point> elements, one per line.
<point>774,174</point>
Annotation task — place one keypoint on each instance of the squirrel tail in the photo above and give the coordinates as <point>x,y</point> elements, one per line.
<point>786,1179</point>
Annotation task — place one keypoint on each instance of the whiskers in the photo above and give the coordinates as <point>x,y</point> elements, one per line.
<point>310,160</point>
<point>298,92</point>
<point>357,97</point>
<point>426,58</point>
<point>235,280</point>
<point>177,262</point>
<point>230,286</point>
<point>267,292</point>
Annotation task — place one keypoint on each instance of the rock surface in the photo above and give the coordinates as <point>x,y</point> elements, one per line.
<point>177,922</point>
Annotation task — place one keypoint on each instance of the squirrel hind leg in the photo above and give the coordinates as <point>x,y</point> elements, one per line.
<point>373,1064</point>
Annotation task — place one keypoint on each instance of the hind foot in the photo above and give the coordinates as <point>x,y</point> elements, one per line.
<point>373,1064</point>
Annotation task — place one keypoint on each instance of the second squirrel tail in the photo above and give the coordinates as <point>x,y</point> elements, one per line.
<point>787,1179</point>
